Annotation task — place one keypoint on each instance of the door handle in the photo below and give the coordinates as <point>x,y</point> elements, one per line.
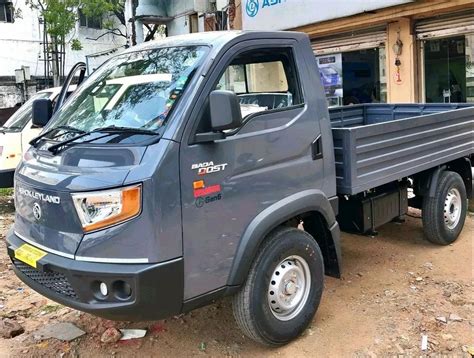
<point>317,148</point>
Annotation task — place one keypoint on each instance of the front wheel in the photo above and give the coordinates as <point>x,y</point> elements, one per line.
<point>283,289</point>
<point>444,214</point>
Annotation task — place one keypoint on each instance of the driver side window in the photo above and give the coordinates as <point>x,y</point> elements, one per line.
<point>263,79</point>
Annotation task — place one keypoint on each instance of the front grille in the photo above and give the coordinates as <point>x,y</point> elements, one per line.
<point>54,281</point>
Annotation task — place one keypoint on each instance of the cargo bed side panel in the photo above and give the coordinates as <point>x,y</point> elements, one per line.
<point>371,155</point>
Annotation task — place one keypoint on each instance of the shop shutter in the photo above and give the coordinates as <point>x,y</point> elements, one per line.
<point>443,26</point>
<point>350,42</point>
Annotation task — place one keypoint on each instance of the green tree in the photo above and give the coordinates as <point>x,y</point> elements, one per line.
<point>59,19</point>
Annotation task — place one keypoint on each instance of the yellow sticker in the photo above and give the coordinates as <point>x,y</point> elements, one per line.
<point>29,254</point>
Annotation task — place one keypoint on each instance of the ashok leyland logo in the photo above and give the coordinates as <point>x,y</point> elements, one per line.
<point>252,7</point>
<point>37,211</point>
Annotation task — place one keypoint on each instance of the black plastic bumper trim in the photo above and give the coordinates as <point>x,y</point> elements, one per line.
<point>157,289</point>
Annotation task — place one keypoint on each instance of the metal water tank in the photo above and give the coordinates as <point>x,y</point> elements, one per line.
<point>151,8</point>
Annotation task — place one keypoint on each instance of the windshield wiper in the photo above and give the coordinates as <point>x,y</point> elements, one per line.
<point>36,140</point>
<point>115,129</point>
<point>56,148</point>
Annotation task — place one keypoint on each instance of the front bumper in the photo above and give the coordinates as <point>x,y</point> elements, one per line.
<point>6,178</point>
<point>137,292</point>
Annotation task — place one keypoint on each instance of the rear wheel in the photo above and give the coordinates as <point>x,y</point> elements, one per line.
<point>283,289</point>
<point>444,214</point>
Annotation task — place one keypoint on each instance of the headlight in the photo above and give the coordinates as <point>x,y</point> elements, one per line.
<point>98,210</point>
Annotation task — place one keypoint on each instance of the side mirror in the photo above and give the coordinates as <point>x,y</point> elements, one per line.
<point>42,112</point>
<point>225,110</point>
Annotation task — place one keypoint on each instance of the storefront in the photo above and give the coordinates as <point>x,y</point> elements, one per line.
<point>395,51</point>
<point>352,61</point>
<point>352,67</point>
<point>446,52</point>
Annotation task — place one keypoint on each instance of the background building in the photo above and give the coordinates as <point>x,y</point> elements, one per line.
<point>381,51</point>
<point>21,44</point>
<point>22,36</point>
<point>181,16</point>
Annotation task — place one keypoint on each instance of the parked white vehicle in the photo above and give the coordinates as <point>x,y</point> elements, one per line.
<point>16,134</point>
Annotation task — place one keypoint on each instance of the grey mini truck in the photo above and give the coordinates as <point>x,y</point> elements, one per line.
<point>208,165</point>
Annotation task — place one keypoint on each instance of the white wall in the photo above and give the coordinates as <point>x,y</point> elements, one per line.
<point>90,47</point>
<point>287,14</point>
<point>11,94</point>
<point>178,26</point>
<point>20,44</point>
<point>180,10</point>
<point>220,4</point>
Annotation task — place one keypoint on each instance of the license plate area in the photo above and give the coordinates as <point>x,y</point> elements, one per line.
<point>29,254</point>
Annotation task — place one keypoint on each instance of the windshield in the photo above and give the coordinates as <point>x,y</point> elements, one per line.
<point>133,90</point>
<point>20,118</point>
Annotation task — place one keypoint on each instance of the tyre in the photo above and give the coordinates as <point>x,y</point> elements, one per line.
<point>283,288</point>
<point>444,214</point>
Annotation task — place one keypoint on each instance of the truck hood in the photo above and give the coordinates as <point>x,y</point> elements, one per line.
<point>45,214</point>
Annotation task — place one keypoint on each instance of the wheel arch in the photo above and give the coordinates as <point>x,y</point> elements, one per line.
<point>427,181</point>
<point>305,204</point>
<point>463,168</point>
<point>316,225</point>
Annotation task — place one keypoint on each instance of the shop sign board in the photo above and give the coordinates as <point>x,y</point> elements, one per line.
<point>287,14</point>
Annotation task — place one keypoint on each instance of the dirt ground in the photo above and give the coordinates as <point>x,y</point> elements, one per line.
<point>395,288</point>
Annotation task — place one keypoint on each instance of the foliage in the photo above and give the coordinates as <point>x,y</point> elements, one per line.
<point>17,13</point>
<point>76,45</point>
<point>157,30</point>
<point>61,16</point>
<point>96,8</point>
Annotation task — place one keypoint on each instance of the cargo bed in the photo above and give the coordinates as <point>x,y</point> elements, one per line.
<point>376,144</point>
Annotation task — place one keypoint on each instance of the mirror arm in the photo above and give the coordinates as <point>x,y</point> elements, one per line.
<point>208,137</point>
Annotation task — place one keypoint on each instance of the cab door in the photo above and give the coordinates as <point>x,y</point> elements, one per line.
<point>226,183</point>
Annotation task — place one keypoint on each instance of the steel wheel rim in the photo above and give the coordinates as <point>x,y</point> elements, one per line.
<point>452,208</point>
<point>289,288</point>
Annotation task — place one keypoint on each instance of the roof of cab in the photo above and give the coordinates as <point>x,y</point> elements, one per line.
<point>215,38</point>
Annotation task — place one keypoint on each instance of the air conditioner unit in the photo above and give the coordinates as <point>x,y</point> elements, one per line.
<point>152,9</point>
